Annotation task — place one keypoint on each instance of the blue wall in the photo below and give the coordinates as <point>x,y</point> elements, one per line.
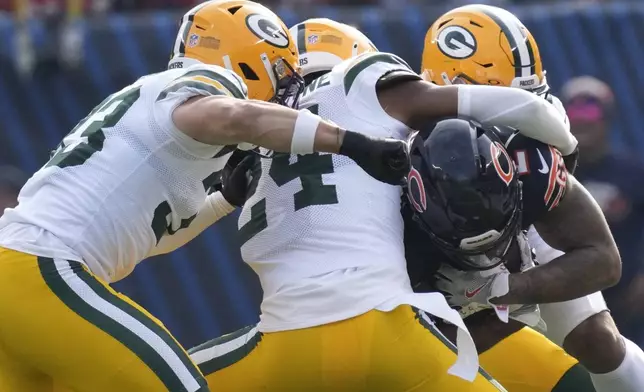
<point>204,290</point>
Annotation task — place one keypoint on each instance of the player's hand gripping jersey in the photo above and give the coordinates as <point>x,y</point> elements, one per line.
<point>322,216</point>
<point>543,175</point>
<point>123,178</point>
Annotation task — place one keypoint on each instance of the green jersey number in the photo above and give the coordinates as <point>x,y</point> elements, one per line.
<point>308,169</point>
<point>87,137</point>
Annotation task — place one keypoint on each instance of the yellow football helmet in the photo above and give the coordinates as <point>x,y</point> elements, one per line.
<point>480,44</point>
<point>246,38</point>
<point>323,43</point>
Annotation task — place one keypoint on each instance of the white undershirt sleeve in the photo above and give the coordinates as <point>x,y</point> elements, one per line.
<point>531,114</point>
<point>215,208</point>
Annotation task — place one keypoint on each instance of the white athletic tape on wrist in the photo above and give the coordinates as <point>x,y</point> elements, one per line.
<point>306,126</point>
<point>219,205</point>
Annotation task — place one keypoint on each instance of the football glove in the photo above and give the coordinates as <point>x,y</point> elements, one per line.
<point>386,160</point>
<point>235,177</point>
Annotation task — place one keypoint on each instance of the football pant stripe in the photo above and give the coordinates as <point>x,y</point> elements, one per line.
<point>226,350</point>
<point>428,324</point>
<point>575,379</point>
<point>88,298</point>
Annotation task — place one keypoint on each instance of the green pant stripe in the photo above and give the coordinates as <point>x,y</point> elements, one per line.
<point>439,335</point>
<point>222,339</point>
<point>216,363</point>
<point>576,379</point>
<point>143,319</point>
<point>128,338</point>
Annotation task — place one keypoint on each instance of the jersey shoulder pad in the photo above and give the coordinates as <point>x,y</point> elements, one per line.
<point>203,79</point>
<point>542,170</point>
<point>372,67</point>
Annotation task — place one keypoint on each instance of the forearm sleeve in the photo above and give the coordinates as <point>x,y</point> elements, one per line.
<point>532,115</point>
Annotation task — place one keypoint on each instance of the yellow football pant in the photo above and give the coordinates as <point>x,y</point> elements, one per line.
<point>398,351</point>
<point>59,322</point>
<point>527,361</point>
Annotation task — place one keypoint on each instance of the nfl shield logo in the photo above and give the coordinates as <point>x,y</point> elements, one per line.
<point>193,40</point>
<point>313,39</point>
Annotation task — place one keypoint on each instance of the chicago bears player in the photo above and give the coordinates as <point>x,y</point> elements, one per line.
<point>327,242</point>
<point>137,170</point>
<point>502,43</point>
<point>466,197</point>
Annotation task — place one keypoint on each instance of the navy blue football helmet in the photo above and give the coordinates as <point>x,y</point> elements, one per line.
<point>464,192</point>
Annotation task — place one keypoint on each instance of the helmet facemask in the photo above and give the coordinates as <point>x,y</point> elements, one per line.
<point>484,251</point>
<point>288,83</point>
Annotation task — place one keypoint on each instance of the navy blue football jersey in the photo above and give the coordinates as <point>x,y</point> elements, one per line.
<point>543,174</point>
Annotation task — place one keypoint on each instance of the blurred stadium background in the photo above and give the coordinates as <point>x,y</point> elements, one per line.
<point>59,58</point>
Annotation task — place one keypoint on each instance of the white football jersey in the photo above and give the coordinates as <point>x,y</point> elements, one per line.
<point>325,238</point>
<point>123,178</point>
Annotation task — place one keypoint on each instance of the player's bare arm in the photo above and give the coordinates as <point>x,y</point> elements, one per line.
<point>222,120</point>
<point>591,261</point>
<point>488,105</point>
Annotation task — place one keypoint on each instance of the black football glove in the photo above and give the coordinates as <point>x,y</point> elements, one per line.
<point>386,160</point>
<point>235,177</point>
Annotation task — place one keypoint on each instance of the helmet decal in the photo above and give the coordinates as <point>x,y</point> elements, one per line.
<point>268,29</point>
<point>416,186</point>
<point>456,42</point>
<point>495,150</point>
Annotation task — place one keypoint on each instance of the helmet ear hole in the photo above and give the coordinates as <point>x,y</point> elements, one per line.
<point>248,72</point>
<point>232,10</point>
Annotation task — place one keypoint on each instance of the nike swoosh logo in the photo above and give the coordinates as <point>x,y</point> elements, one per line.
<point>471,293</point>
<point>544,166</point>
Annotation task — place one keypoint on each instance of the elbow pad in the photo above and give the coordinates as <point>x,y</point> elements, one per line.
<point>532,115</point>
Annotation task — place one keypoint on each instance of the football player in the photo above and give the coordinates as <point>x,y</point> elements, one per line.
<point>487,45</point>
<point>134,173</point>
<point>326,241</point>
<point>465,211</point>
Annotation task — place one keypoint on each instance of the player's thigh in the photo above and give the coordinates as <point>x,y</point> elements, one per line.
<point>18,377</point>
<point>376,351</point>
<point>238,361</point>
<point>307,359</point>
<point>527,361</point>
<point>61,320</point>
<point>563,317</point>
<point>425,355</point>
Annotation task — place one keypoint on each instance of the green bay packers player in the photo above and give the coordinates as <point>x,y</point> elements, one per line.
<point>132,176</point>
<point>490,46</point>
<point>326,242</point>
